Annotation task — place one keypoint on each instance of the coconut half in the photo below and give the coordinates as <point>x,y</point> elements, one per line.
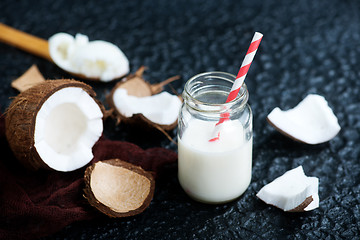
<point>118,188</point>
<point>312,121</point>
<point>292,192</point>
<point>94,60</point>
<point>136,101</point>
<point>54,125</point>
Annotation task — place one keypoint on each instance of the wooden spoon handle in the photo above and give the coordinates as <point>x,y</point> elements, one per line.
<point>24,41</point>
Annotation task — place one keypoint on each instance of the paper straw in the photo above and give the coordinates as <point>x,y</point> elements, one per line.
<point>249,57</point>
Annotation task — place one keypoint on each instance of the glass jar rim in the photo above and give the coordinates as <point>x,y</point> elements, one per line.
<point>241,97</point>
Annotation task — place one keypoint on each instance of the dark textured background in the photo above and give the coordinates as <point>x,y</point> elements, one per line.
<point>308,47</point>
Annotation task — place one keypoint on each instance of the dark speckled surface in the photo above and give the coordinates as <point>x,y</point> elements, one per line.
<point>308,47</point>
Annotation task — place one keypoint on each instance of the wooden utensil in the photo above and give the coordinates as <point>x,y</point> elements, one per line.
<point>25,41</point>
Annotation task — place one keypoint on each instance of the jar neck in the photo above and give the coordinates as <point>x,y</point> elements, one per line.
<point>206,93</point>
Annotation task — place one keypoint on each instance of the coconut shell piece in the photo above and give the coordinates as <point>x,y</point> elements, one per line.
<point>312,121</point>
<point>30,78</point>
<point>118,188</point>
<point>137,86</point>
<point>292,192</point>
<point>21,116</point>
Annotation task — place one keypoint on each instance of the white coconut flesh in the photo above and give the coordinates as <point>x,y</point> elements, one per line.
<point>162,108</point>
<point>94,59</point>
<point>67,126</point>
<point>119,188</point>
<point>312,121</point>
<point>290,190</point>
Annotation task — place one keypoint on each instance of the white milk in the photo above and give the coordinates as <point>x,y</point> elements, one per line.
<point>214,172</point>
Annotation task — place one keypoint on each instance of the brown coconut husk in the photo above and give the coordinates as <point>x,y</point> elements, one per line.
<point>21,116</point>
<point>134,175</point>
<point>137,86</point>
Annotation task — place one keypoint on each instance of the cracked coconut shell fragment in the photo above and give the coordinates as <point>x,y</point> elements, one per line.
<point>312,121</point>
<point>292,192</point>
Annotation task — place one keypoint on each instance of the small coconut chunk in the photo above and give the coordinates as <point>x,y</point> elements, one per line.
<point>162,108</point>
<point>312,121</point>
<point>67,126</point>
<point>293,191</point>
<point>93,59</point>
<point>30,78</point>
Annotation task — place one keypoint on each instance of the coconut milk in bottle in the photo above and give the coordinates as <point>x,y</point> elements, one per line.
<point>214,171</point>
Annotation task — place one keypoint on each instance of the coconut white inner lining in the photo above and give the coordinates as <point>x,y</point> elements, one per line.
<point>65,122</point>
<point>162,108</point>
<point>119,188</point>
<point>67,126</point>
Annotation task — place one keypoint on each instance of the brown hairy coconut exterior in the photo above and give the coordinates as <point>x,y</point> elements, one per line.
<point>21,116</point>
<point>109,210</point>
<point>137,86</point>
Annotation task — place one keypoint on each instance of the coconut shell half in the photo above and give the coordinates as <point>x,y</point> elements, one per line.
<point>23,116</point>
<point>137,86</point>
<point>118,188</point>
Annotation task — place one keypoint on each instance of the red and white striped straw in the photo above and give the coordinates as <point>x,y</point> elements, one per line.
<point>255,42</point>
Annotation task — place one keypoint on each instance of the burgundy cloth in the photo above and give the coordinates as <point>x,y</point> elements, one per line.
<point>35,204</point>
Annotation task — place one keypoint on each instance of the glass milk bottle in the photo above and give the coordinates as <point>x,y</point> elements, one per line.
<point>214,171</point>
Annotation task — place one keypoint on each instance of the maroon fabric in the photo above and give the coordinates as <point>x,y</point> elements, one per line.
<point>35,204</point>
